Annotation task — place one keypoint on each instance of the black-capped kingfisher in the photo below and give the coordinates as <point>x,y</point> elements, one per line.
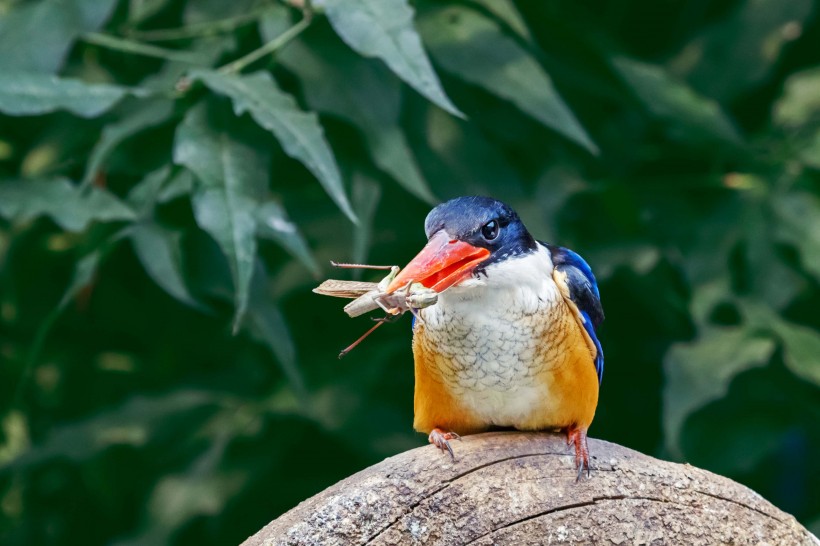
<point>512,340</point>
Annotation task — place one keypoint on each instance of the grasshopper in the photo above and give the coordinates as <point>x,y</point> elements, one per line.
<point>369,296</point>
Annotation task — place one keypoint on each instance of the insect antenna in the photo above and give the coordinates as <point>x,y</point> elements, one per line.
<point>342,265</point>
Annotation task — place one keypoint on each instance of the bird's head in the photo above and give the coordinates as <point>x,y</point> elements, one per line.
<point>465,236</point>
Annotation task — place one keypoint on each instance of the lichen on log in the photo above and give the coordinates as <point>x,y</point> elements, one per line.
<point>520,488</point>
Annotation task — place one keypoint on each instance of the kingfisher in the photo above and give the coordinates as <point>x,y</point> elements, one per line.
<point>511,341</point>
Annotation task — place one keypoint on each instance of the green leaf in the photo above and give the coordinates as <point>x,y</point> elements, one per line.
<point>385,30</point>
<point>700,371</point>
<point>143,116</point>
<point>273,223</point>
<point>800,103</point>
<point>801,350</point>
<point>208,49</point>
<point>274,22</point>
<point>373,105</point>
<point>158,250</point>
<point>232,175</point>
<point>182,183</point>
<point>84,273</point>
<point>71,207</point>
<point>268,325</point>
<point>675,102</point>
<point>769,278</point>
<point>506,11</point>
<point>299,133</point>
<point>29,94</point>
<point>798,213</point>
<point>36,36</point>
<point>144,195</point>
<point>139,10</point>
<point>474,48</point>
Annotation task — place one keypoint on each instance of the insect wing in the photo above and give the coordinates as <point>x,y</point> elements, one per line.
<point>345,289</point>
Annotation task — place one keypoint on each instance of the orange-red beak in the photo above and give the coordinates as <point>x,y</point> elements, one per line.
<point>440,264</point>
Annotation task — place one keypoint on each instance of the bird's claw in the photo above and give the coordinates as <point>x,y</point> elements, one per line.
<point>578,437</point>
<point>441,440</point>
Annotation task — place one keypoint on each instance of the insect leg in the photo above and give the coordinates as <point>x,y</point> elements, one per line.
<point>355,343</point>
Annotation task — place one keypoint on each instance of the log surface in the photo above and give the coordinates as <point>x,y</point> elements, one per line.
<point>520,488</point>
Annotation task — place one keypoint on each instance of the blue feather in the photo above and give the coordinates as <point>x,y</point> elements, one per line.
<point>583,291</point>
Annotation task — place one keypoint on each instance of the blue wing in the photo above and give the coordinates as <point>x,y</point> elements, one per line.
<point>583,291</point>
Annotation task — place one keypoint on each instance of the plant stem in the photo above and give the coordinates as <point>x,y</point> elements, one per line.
<point>207,28</point>
<point>138,48</point>
<point>269,48</point>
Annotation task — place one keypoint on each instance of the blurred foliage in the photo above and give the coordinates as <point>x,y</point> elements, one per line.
<point>176,175</point>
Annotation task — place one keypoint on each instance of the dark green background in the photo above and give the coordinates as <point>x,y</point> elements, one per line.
<point>677,148</point>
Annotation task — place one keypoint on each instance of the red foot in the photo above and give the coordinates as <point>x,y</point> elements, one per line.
<point>578,436</point>
<point>441,440</point>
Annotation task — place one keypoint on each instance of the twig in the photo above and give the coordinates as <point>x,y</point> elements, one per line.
<point>206,28</point>
<point>138,48</point>
<point>269,48</point>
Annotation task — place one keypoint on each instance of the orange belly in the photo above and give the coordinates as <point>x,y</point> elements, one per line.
<point>556,388</point>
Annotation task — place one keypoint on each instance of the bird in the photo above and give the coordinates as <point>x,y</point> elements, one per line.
<point>512,340</point>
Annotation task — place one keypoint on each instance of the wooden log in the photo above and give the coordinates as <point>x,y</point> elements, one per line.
<point>520,488</point>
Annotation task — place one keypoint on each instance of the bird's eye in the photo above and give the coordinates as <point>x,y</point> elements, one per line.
<point>490,230</point>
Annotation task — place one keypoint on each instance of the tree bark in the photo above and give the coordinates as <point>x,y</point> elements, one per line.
<point>520,488</point>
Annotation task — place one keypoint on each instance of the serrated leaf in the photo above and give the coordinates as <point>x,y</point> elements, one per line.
<point>675,102</point>
<point>474,48</point>
<point>29,94</point>
<point>299,133</point>
<point>158,250</point>
<point>373,105</point>
<point>232,174</point>
<point>273,223</point>
<point>71,207</point>
<point>700,371</point>
<point>385,30</point>
<point>36,36</point>
<point>141,117</point>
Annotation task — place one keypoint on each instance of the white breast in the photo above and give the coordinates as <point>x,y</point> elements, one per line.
<point>486,334</point>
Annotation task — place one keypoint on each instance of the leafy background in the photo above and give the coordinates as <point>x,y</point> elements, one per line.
<point>176,175</point>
